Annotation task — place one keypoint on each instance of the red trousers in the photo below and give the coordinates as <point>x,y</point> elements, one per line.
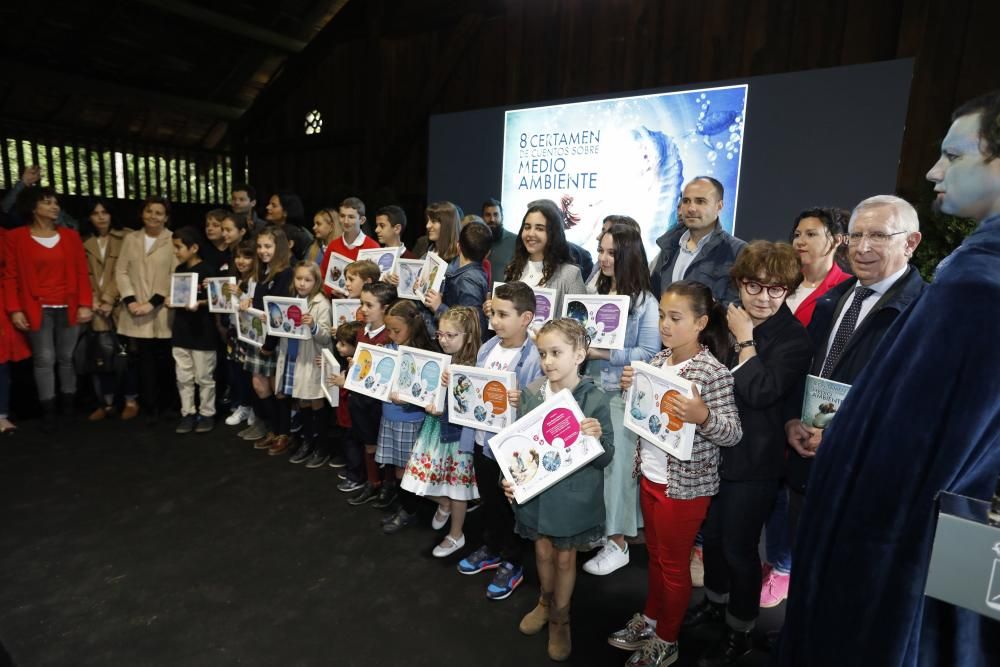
<point>671,527</point>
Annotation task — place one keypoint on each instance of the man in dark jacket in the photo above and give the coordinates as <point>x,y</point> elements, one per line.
<point>699,249</point>
<point>920,418</point>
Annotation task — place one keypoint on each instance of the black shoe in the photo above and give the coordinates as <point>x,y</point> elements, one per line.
<point>318,459</point>
<point>367,494</point>
<point>186,425</point>
<point>295,444</point>
<point>706,613</point>
<point>337,461</point>
<point>398,522</point>
<point>49,418</point>
<point>67,405</point>
<point>728,651</point>
<point>386,498</point>
<point>350,486</point>
<point>204,425</point>
<point>302,454</point>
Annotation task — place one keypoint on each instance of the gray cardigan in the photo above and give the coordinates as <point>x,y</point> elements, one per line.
<point>565,280</point>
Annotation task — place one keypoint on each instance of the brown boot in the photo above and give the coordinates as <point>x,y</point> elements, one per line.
<point>280,445</point>
<point>266,441</point>
<point>559,640</point>
<point>536,619</point>
<point>130,411</point>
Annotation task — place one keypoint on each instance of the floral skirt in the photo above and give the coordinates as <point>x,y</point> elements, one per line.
<point>437,468</point>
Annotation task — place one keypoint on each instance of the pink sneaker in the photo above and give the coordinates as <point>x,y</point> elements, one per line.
<point>774,590</point>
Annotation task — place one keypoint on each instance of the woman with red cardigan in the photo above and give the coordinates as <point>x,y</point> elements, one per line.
<point>13,347</point>
<point>818,239</point>
<point>47,293</point>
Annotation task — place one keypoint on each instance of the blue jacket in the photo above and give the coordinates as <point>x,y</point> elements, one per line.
<point>465,286</point>
<point>711,267</point>
<point>527,368</point>
<point>642,341</point>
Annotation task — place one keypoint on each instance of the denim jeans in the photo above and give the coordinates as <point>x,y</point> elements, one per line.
<point>52,348</point>
<point>777,545</point>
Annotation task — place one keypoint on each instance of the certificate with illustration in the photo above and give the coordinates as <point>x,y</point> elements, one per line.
<point>478,398</point>
<point>431,276</point>
<point>284,317</point>
<point>250,327</point>
<point>603,316</point>
<point>344,311</point>
<point>544,446</point>
<point>328,366</point>
<point>408,271</point>
<point>545,306</point>
<point>373,371</point>
<point>218,302</point>
<point>335,277</point>
<point>183,290</point>
<point>385,258</point>
<point>418,380</point>
<point>649,415</point>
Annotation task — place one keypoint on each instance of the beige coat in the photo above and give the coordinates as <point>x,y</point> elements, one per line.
<point>102,270</point>
<point>141,275</point>
<point>306,384</point>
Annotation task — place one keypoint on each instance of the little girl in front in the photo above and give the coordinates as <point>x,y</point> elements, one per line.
<point>674,494</point>
<point>570,514</point>
<point>401,422</point>
<point>437,469</point>
<point>298,376</point>
<point>239,379</point>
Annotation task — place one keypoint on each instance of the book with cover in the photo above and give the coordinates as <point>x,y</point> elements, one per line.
<point>649,415</point>
<point>544,446</point>
<point>822,400</point>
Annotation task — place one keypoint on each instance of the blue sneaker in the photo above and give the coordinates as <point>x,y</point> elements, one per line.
<point>477,561</point>
<point>507,578</point>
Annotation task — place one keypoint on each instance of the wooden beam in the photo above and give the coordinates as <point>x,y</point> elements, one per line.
<point>231,24</point>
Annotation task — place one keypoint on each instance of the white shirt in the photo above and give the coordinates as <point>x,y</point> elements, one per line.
<point>652,459</point>
<point>880,288</point>
<point>685,257</point>
<point>499,359</point>
<point>47,241</point>
<point>149,240</point>
<point>371,333</point>
<point>357,242</point>
<point>532,274</point>
<point>800,294</point>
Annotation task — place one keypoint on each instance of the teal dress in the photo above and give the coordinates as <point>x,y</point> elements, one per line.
<point>570,513</point>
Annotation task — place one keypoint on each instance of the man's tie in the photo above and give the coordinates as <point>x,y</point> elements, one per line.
<point>845,330</point>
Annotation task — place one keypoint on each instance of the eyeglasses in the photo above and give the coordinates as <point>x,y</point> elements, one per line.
<point>444,335</point>
<point>754,288</point>
<point>875,239</point>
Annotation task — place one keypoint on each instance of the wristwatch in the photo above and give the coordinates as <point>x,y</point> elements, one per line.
<point>739,347</point>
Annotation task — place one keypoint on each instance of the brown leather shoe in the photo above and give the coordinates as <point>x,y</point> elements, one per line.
<point>265,442</point>
<point>130,411</point>
<point>100,414</point>
<point>280,445</point>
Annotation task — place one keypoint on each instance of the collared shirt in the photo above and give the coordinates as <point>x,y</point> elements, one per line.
<point>880,288</point>
<point>357,242</point>
<point>371,333</point>
<point>685,257</point>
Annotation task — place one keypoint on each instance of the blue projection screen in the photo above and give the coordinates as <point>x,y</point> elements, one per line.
<point>625,156</point>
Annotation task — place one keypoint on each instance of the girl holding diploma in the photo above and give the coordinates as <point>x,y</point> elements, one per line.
<point>569,514</point>
<point>674,494</point>
<point>621,262</point>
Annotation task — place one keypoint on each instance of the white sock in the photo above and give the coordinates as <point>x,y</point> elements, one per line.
<point>651,622</point>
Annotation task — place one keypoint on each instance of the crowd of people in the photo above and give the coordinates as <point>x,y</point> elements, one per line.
<point>745,323</point>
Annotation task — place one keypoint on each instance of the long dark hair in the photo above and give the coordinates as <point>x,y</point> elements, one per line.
<point>631,274</point>
<point>715,335</point>
<point>408,311</point>
<point>835,221</point>
<point>556,248</point>
<point>86,226</point>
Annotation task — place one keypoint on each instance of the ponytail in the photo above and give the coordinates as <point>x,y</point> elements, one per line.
<point>715,335</point>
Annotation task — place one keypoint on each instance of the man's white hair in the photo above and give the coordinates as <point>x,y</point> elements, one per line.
<point>904,214</point>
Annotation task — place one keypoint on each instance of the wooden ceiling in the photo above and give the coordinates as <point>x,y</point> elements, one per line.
<point>156,72</point>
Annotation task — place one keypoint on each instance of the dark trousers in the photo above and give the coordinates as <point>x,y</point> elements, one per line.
<point>795,501</point>
<point>731,537</point>
<point>151,373</point>
<point>498,517</point>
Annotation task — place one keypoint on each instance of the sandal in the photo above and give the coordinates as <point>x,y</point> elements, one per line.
<point>448,546</point>
<point>440,519</point>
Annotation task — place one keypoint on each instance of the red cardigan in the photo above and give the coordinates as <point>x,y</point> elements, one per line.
<point>20,279</point>
<point>805,310</point>
<point>13,346</point>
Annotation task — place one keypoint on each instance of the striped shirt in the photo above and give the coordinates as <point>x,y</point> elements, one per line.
<point>700,475</point>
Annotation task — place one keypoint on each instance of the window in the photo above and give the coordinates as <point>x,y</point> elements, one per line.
<point>314,122</point>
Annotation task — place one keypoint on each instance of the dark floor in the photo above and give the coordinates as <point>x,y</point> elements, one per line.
<point>127,545</point>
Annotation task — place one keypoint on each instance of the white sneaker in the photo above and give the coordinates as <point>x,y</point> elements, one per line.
<point>239,416</point>
<point>451,547</point>
<point>607,560</point>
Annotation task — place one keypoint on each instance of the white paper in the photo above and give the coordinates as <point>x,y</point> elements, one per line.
<point>385,258</point>
<point>544,446</point>
<point>408,271</point>
<point>647,414</point>
<point>418,380</point>
<point>250,327</point>
<point>373,371</point>
<point>335,277</point>
<point>217,303</point>
<point>284,317</point>
<point>344,311</point>
<point>605,317</point>
<point>431,276</point>
<point>478,398</point>
<point>183,290</point>
<point>545,306</point>
<point>329,366</point>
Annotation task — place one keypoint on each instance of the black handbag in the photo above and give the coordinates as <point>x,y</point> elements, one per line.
<point>100,352</point>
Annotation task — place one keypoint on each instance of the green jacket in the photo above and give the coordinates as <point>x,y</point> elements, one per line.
<point>575,504</point>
